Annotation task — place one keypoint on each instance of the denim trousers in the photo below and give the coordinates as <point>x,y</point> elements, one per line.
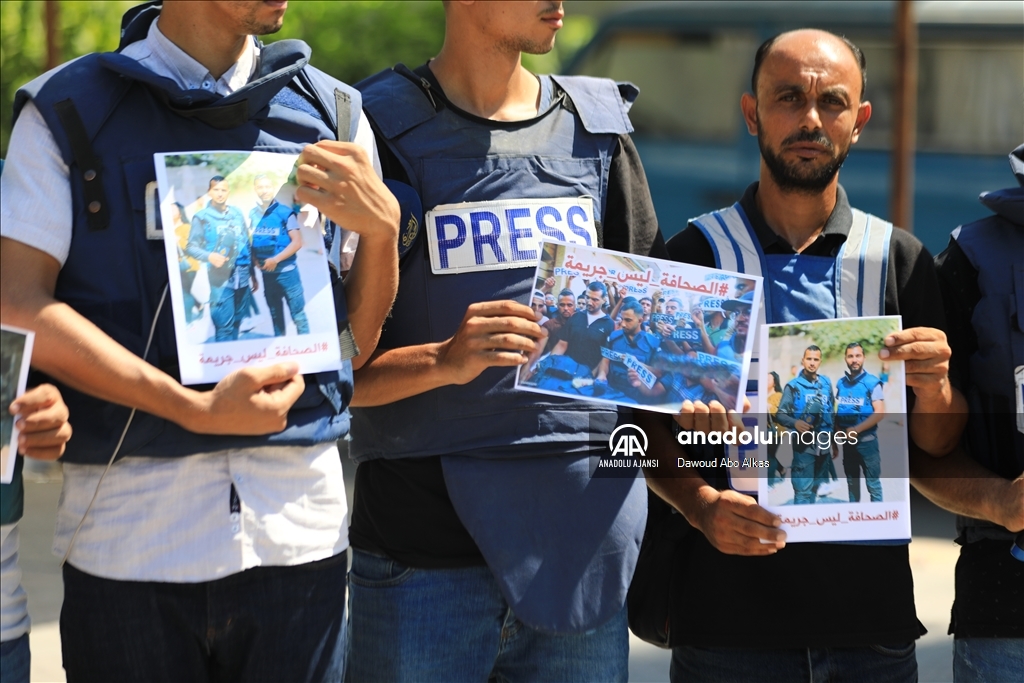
<point>284,286</point>
<point>988,660</point>
<point>454,625</point>
<point>870,664</point>
<point>864,456</point>
<point>227,310</point>
<point>807,473</point>
<point>261,624</point>
<point>15,660</point>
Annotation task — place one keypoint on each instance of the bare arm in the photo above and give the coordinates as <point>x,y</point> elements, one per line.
<point>873,419</point>
<point>492,334</point>
<point>338,178</point>
<point>960,484</point>
<point>72,350</point>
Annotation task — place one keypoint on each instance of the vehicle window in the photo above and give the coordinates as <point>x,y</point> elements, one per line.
<point>689,83</point>
<point>970,95</point>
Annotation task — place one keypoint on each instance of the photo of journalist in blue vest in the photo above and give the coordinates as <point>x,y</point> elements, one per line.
<point>276,238</point>
<point>860,406</point>
<point>821,259</point>
<point>220,237</point>
<point>807,407</point>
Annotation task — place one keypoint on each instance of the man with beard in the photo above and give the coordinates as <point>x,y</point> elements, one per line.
<point>220,237</point>
<point>565,310</point>
<point>631,340</point>
<point>806,406</point>
<point>582,337</point>
<point>276,239</point>
<point>860,406</point>
<point>820,259</point>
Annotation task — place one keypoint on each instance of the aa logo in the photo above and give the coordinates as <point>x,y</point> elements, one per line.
<point>628,441</point>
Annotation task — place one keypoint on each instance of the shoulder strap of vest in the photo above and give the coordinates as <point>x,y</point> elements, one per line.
<point>602,104</point>
<point>737,249</point>
<point>397,100</point>
<point>88,164</point>
<point>863,265</point>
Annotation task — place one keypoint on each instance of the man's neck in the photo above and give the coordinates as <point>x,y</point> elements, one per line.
<point>219,207</point>
<point>486,80</point>
<point>797,217</point>
<point>202,40</point>
<point>811,376</point>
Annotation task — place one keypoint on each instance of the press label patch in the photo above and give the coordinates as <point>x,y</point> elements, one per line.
<point>504,234</point>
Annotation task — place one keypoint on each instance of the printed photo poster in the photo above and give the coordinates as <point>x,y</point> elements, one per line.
<point>249,284</point>
<point>638,331</point>
<point>15,355</point>
<point>837,455</point>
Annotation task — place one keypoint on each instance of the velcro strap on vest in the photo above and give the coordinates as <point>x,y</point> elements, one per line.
<point>344,106</point>
<point>98,216</point>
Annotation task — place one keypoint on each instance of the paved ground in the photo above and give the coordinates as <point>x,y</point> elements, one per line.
<point>932,554</point>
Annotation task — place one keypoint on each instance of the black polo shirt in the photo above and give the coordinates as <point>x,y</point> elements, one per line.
<point>586,338</point>
<point>808,594</point>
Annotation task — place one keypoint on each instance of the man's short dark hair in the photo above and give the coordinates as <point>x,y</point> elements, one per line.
<point>854,345</point>
<point>647,299</point>
<point>766,47</point>
<point>214,180</point>
<point>812,347</point>
<point>258,177</point>
<point>631,304</point>
<point>566,292</point>
<point>598,286</point>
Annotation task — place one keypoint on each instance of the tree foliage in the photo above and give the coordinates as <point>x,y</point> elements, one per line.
<point>833,337</point>
<point>350,40</point>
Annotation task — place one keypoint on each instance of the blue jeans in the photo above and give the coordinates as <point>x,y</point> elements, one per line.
<point>281,286</point>
<point>863,456</point>
<point>807,473</point>
<point>454,625</point>
<point>262,624</point>
<point>15,660</point>
<point>988,660</point>
<point>228,308</point>
<point>871,664</point>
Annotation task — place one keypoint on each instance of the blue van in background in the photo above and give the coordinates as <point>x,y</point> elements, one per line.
<point>692,61</point>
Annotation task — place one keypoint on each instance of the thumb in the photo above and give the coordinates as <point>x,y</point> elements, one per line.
<point>273,374</point>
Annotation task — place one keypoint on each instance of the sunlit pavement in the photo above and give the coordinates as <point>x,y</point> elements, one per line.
<point>933,556</point>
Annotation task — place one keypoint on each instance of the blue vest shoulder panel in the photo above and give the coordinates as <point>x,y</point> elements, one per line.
<point>115,277</point>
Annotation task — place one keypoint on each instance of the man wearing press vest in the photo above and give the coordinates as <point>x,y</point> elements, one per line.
<point>483,550</point>
<point>213,548</point>
<point>796,228</point>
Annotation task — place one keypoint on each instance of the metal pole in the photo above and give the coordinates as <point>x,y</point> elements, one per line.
<point>53,51</point>
<point>904,128</point>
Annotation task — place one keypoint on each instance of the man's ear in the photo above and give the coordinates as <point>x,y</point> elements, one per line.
<point>748,105</point>
<point>863,115</point>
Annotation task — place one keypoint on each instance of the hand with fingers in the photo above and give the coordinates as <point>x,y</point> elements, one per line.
<point>926,354</point>
<point>492,334</point>
<point>250,401</point>
<point>338,178</point>
<point>707,418</point>
<point>939,413</point>
<point>41,417</point>
<point>736,525</point>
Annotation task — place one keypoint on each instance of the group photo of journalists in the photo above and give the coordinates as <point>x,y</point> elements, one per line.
<point>633,331</point>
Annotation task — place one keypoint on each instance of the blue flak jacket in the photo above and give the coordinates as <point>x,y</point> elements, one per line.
<point>114,276</point>
<point>994,246</point>
<point>561,545</point>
